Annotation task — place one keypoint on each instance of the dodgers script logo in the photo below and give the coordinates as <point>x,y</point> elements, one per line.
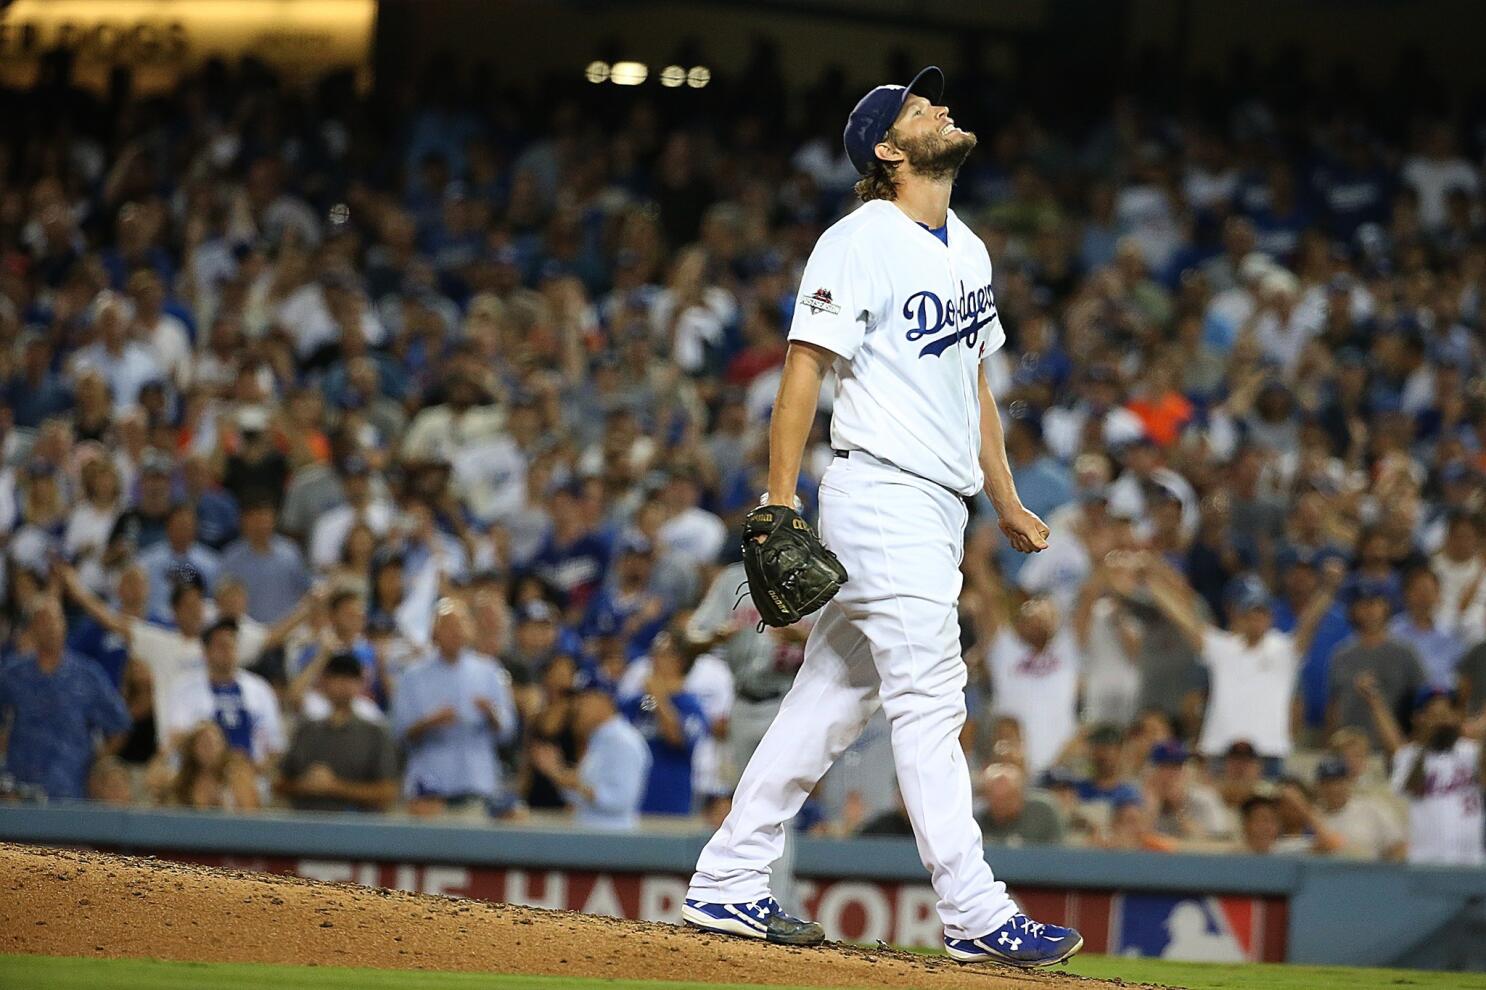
<point>965,317</point>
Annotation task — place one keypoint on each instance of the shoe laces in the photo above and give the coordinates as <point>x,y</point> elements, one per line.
<point>1033,928</point>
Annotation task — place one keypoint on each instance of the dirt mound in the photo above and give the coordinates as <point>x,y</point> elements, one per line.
<point>62,902</point>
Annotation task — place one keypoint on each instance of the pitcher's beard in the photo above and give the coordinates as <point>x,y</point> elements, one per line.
<point>938,157</point>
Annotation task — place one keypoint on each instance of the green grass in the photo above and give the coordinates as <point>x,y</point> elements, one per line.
<point>1264,976</point>
<point>50,973</point>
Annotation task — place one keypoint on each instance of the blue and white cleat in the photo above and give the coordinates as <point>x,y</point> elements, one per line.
<point>763,919</point>
<point>1020,942</point>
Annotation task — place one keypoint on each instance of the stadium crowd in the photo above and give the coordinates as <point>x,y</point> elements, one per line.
<point>386,455</point>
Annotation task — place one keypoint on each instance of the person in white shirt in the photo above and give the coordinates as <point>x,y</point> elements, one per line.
<point>1368,829</point>
<point>1436,171</point>
<point>689,316</point>
<point>126,365</point>
<point>691,532</point>
<point>1034,664</point>
<point>1439,773</point>
<point>1252,668</point>
<point>1462,573</point>
<point>163,333</point>
<point>328,538</point>
<point>241,703</point>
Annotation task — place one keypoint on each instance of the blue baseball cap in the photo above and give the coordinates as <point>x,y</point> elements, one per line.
<point>1246,593</point>
<point>874,114</point>
<point>1169,753</point>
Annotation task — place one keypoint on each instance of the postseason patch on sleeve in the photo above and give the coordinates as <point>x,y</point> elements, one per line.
<point>820,301</point>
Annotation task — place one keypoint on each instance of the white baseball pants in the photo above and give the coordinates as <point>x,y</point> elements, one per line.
<point>890,638</point>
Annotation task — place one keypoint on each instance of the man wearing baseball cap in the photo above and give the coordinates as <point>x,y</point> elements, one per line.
<point>1367,828</point>
<point>898,299</point>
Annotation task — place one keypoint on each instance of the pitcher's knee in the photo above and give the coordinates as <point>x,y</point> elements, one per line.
<point>915,707</point>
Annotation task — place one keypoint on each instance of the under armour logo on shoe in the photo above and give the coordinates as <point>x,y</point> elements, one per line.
<point>1012,943</point>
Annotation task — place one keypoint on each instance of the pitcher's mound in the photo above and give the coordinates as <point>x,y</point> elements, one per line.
<point>67,903</point>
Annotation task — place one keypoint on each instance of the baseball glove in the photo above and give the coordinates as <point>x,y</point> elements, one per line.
<point>790,573</point>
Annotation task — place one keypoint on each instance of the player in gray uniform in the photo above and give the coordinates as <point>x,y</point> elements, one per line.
<point>763,662</point>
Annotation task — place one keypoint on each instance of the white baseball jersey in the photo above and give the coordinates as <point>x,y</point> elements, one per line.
<point>1445,823</point>
<point>911,320</point>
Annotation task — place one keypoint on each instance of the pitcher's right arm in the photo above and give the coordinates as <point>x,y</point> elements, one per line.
<point>805,368</point>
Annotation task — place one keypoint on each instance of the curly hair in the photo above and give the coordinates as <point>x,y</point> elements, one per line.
<point>878,183</point>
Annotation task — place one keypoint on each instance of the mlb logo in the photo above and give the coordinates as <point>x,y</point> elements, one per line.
<point>1191,928</point>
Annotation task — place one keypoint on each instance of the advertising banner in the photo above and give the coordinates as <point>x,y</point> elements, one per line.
<point>1172,925</point>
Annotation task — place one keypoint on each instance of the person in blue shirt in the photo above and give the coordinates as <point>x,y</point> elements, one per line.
<point>574,559</point>
<point>1300,579</point>
<point>607,786</point>
<point>270,565</point>
<point>216,509</point>
<point>35,391</point>
<point>179,550</point>
<point>673,723</point>
<point>627,605</point>
<point>1439,647</point>
<point>451,710</point>
<point>59,707</point>
<point>1107,782</point>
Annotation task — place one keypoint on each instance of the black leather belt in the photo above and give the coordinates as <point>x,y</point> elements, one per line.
<point>758,697</point>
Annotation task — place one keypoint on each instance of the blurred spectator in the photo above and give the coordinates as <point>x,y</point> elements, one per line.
<point>1240,775</point>
<point>673,723</point>
<point>451,710</point>
<point>1372,650</point>
<point>1110,638</point>
<point>707,679</point>
<point>211,774</point>
<point>143,524</point>
<point>360,508</point>
<point>607,786</point>
<point>1130,827</point>
<point>341,762</point>
<point>575,557</point>
<point>241,703</point>
<point>1300,583</point>
<point>1108,782</point>
<point>1365,827</point>
<point>1439,649</point>
<point>1251,670</point>
<point>1438,771</point>
<point>166,653</point>
<point>1183,805</point>
<point>1460,567</point>
<point>546,710</point>
<point>1012,814</point>
<point>177,552</point>
<point>1261,825</point>
<point>253,466</point>
<point>1033,665</point>
<point>110,783</point>
<point>762,660</point>
<point>891,822</point>
<point>269,565</point>
<point>57,710</point>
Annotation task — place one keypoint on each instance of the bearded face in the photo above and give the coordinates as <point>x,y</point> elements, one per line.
<point>936,155</point>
